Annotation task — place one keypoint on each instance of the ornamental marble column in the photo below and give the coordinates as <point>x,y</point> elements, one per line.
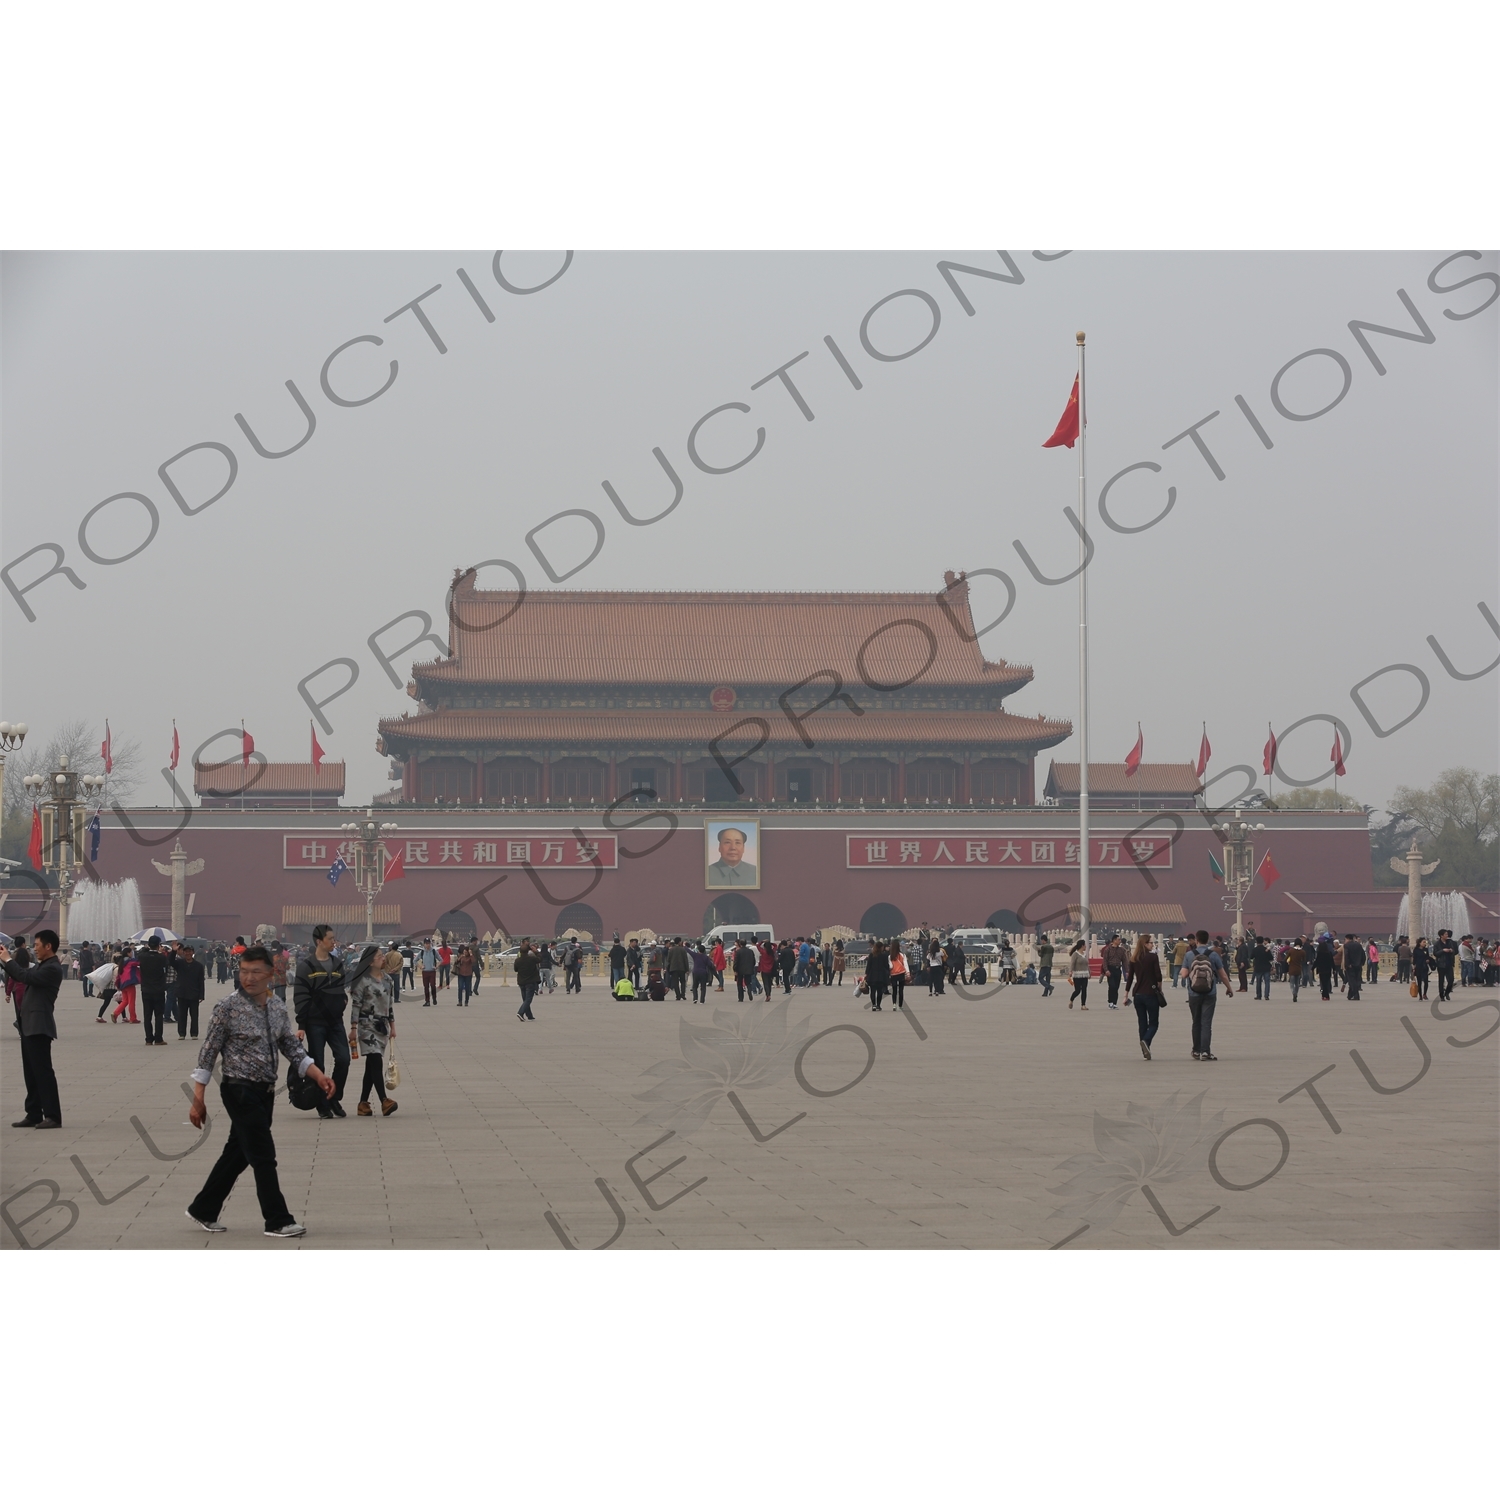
<point>179,869</point>
<point>1412,867</point>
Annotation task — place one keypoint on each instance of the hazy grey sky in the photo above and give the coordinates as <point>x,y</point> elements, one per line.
<point>1265,595</point>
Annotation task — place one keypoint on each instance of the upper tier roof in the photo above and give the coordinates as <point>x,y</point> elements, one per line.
<point>574,636</point>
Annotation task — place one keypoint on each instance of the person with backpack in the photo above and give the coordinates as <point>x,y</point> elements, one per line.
<point>1203,970</point>
<point>1325,960</point>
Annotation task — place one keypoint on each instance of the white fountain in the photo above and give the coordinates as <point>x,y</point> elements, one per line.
<point>1439,909</point>
<point>105,912</point>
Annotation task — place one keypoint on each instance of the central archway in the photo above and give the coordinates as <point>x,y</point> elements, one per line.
<point>582,916</point>
<point>730,909</point>
<point>883,920</point>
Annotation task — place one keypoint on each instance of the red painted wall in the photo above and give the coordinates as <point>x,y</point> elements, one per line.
<point>805,882</point>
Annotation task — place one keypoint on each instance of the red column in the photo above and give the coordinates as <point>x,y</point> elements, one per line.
<point>614,777</point>
<point>901,776</point>
<point>836,792</point>
<point>677,781</point>
<point>965,791</point>
<point>770,777</point>
<point>546,775</point>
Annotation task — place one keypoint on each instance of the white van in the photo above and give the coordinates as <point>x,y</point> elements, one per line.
<point>729,931</point>
<point>979,939</point>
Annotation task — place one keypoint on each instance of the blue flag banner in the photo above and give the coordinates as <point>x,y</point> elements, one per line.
<point>94,832</point>
<point>336,869</point>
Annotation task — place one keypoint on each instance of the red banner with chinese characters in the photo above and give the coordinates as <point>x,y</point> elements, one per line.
<point>1016,851</point>
<point>461,851</point>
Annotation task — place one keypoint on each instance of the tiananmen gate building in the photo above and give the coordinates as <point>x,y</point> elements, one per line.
<point>610,761</point>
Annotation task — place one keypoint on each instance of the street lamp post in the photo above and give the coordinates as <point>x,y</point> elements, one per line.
<point>369,862</point>
<point>1239,867</point>
<point>63,797</point>
<point>12,737</point>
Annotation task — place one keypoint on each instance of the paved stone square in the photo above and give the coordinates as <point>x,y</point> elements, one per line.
<point>1004,1121</point>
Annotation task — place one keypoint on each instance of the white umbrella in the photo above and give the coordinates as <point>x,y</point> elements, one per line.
<point>165,934</point>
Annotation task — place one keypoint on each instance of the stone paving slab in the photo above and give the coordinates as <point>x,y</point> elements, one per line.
<point>1005,1121</point>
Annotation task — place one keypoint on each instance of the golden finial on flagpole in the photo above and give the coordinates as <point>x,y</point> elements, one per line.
<point>1080,335</point>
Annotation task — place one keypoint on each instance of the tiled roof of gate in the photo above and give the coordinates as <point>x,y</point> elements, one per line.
<point>835,726</point>
<point>569,636</point>
<point>1109,777</point>
<point>226,777</point>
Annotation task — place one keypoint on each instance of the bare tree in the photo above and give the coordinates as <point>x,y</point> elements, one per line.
<point>1460,797</point>
<point>80,742</point>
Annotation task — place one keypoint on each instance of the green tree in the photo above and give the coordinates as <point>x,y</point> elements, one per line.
<point>1318,799</point>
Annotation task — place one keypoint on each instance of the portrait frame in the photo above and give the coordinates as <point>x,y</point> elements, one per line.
<point>713,878</point>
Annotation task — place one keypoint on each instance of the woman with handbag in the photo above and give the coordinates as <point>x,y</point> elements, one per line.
<point>1421,967</point>
<point>1145,977</point>
<point>371,1025</point>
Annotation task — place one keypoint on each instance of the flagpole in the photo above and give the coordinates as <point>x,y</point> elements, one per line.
<point>310,766</point>
<point>1085,915</point>
<point>243,766</point>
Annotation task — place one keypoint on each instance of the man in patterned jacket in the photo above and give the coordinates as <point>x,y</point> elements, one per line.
<point>246,1030</point>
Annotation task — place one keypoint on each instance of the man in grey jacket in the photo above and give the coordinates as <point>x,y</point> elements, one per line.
<point>38,1027</point>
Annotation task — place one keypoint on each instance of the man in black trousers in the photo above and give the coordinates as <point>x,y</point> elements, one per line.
<point>37,1024</point>
<point>153,991</point>
<point>190,981</point>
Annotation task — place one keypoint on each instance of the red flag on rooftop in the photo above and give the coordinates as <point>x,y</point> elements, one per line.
<point>1133,760</point>
<point>1267,870</point>
<point>104,755</point>
<point>1204,751</point>
<point>34,848</point>
<point>1066,433</point>
<point>317,749</point>
<point>1336,755</point>
<point>1268,756</point>
<point>395,868</point>
<point>175,746</point>
<point>247,745</point>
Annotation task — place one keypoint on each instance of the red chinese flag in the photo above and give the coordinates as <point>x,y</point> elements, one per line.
<point>1336,755</point>
<point>1204,751</point>
<point>317,750</point>
<point>104,755</point>
<point>1133,760</point>
<point>1268,871</point>
<point>247,746</point>
<point>1268,756</point>
<point>175,747</point>
<point>34,848</point>
<point>1067,428</point>
<point>395,868</point>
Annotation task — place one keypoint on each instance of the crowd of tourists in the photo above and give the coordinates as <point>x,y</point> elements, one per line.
<point>343,999</point>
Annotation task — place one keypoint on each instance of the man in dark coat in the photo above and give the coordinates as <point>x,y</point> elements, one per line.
<point>153,964</point>
<point>191,978</point>
<point>38,1027</point>
<point>319,1001</point>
